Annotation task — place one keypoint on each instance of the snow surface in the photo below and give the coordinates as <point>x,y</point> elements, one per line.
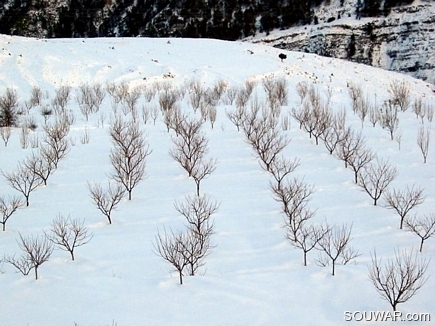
<point>253,276</point>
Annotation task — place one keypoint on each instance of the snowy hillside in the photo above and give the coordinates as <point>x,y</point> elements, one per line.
<point>403,41</point>
<point>253,275</point>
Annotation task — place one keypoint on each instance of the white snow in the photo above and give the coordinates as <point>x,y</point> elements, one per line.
<point>253,276</point>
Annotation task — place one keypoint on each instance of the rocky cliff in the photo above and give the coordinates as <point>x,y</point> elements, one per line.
<point>404,41</point>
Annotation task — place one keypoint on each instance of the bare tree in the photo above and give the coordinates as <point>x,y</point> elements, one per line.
<point>336,132</point>
<point>424,227</point>
<point>423,139</point>
<point>355,93</point>
<point>302,90</point>
<point>22,264</point>
<point>170,247</point>
<point>375,178</point>
<point>398,137</point>
<point>36,95</point>
<point>130,101</point>
<point>61,99</point>
<point>400,94</point>
<point>212,114</point>
<point>237,116</point>
<point>146,112</point>
<point>198,212</point>
<point>243,97</point>
<point>46,113</point>
<point>99,93</point>
<point>400,278</point>
<point>417,108</point>
<point>293,195</point>
<point>173,119</point>
<point>196,94</point>
<point>403,201</point>
<point>5,134</point>
<point>38,165</point>
<point>276,90</point>
<point>23,180</point>
<point>268,145</point>
<point>24,137</point>
<point>359,159</point>
<point>280,167</point>
<point>190,145</point>
<point>389,118</point>
<point>154,113</point>
<point>307,237</point>
<point>230,95</point>
<point>36,251</point>
<point>374,115</point>
<point>90,97</point>
<point>430,111</point>
<point>363,109</point>
<point>8,108</point>
<point>201,170</point>
<point>107,199</point>
<point>85,100</point>
<point>68,234</point>
<point>334,245</point>
<point>55,143</point>
<point>128,157</point>
<point>350,144</point>
<point>8,207</point>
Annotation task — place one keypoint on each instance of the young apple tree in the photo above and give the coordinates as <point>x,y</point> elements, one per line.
<point>107,199</point>
<point>334,245</point>
<point>399,279</point>
<point>375,178</point>
<point>403,201</point>
<point>23,180</point>
<point>128,157</point>
<point>8,207</point>
<point>36,251</point>
<point>424,227</point>
<point>423,139</point>
<point>68,234</point>
<point>198,212</point>
<point>170,247</point>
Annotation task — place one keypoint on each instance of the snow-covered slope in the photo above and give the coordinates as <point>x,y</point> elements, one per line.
<point>404,41</point>
<point>253,276</point>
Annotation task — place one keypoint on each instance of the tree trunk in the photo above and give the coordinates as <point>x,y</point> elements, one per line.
<point>197,187</point>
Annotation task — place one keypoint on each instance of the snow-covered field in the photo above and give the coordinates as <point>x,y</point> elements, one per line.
<point>253,276</point>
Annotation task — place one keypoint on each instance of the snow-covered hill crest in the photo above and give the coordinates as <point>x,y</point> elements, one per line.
<point>404,41</point>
